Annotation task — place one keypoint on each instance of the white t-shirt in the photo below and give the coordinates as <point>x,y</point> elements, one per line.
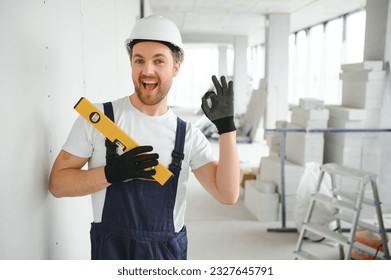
<point>158,131</point>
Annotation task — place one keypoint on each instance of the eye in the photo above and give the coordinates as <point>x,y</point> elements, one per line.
<point>159,61</point>
<point>138,61</point>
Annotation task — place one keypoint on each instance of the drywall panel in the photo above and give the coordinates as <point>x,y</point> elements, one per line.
<point>24,161</point>
<point>48,62</point>
<point>70,217</point>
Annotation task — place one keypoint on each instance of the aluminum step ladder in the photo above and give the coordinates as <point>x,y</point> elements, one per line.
<point>348,206</point>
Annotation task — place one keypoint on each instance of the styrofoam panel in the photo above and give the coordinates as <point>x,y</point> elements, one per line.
<point>273,142</point>
<point>346,113</point>
<point>350,139</point>
<point>274,150</point>
<point>362,75</point>
<point>311,135</point>
<point>305,123</point>
<point>373,117</point>
<point>271,170</point>
<point>376,65</point>
<point>311,114</point>
<point>263,206</point>
<point>304,147</point>
<point>311,104</point>
<point>371,163</point>
<point>369,123</point>
<point>340,123</point>
<point>371,142</point>
<point>362,95</point>
<point>272,138</point>
<point>344,155</point>
<point>371,154</point>
<point>267,187</point>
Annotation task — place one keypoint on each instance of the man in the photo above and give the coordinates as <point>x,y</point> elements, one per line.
<point>135,217</point>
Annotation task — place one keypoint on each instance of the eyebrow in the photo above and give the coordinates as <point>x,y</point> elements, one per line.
<point>155,56</point>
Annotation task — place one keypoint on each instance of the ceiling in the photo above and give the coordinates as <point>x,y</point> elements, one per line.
<point>213,20</point>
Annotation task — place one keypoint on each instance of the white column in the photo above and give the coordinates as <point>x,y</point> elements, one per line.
<point>378,47</point>
<point>378,30</point>
<point>276,74</point>
<point>241,83</point>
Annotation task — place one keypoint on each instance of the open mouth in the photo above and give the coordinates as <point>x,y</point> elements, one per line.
<point>149,85</point>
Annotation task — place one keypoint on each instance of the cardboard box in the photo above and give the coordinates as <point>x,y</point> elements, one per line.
<point>248,171</point>
<point>245,177</point>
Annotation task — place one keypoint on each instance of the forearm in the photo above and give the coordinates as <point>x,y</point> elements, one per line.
<point>77,182</point>
<point>228,171</point>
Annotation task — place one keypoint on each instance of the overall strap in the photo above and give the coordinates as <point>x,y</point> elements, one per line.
<point>177,154</point>
<point>111,148</point>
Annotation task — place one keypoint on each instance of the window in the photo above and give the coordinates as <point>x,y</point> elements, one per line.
<point>256,64</point>
<point>355,37</point>
<point>316,55</point>
<point>194,78</point>
<point>331,89</point>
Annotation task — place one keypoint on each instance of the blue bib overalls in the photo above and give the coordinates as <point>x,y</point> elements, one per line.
<point>137,219</point>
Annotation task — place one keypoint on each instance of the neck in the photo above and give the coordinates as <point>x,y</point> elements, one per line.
<point>150,110</point>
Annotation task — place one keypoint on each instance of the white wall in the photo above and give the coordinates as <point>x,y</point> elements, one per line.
<point>51,53</point>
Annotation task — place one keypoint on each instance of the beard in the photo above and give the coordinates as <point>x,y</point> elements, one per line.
<point>150,99</point>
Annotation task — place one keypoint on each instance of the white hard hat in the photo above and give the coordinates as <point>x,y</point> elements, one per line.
<point>159,29</point>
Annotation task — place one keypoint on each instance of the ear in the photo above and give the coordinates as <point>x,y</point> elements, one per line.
<point>177,66</point>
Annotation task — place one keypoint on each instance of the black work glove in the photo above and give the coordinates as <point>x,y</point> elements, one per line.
<point>221,111</point>
<point>136,163</point>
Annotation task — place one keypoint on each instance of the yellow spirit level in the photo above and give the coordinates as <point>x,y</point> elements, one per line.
<point>115,134</point>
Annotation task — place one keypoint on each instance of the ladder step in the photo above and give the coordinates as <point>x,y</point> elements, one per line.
<point>337,203</point>
<point>349,218</point>
<point>353,197</point>
<point>325,232</point>
<point>357,174</point>
<point>303,255</point>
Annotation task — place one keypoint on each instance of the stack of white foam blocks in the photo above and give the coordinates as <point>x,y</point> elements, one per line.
<point>260,196</point>
<point>362,91</point>
<point>263,195</point>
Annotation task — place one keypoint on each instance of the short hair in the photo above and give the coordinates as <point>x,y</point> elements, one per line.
<point>176,52</point>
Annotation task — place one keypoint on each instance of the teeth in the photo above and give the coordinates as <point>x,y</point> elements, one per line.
<point>149,83</point>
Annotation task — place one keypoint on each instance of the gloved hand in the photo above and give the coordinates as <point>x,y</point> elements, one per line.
<point>136,163</point>
<point>221,111</point>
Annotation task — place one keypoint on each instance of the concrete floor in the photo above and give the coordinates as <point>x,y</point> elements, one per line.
<point>224,232</point>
